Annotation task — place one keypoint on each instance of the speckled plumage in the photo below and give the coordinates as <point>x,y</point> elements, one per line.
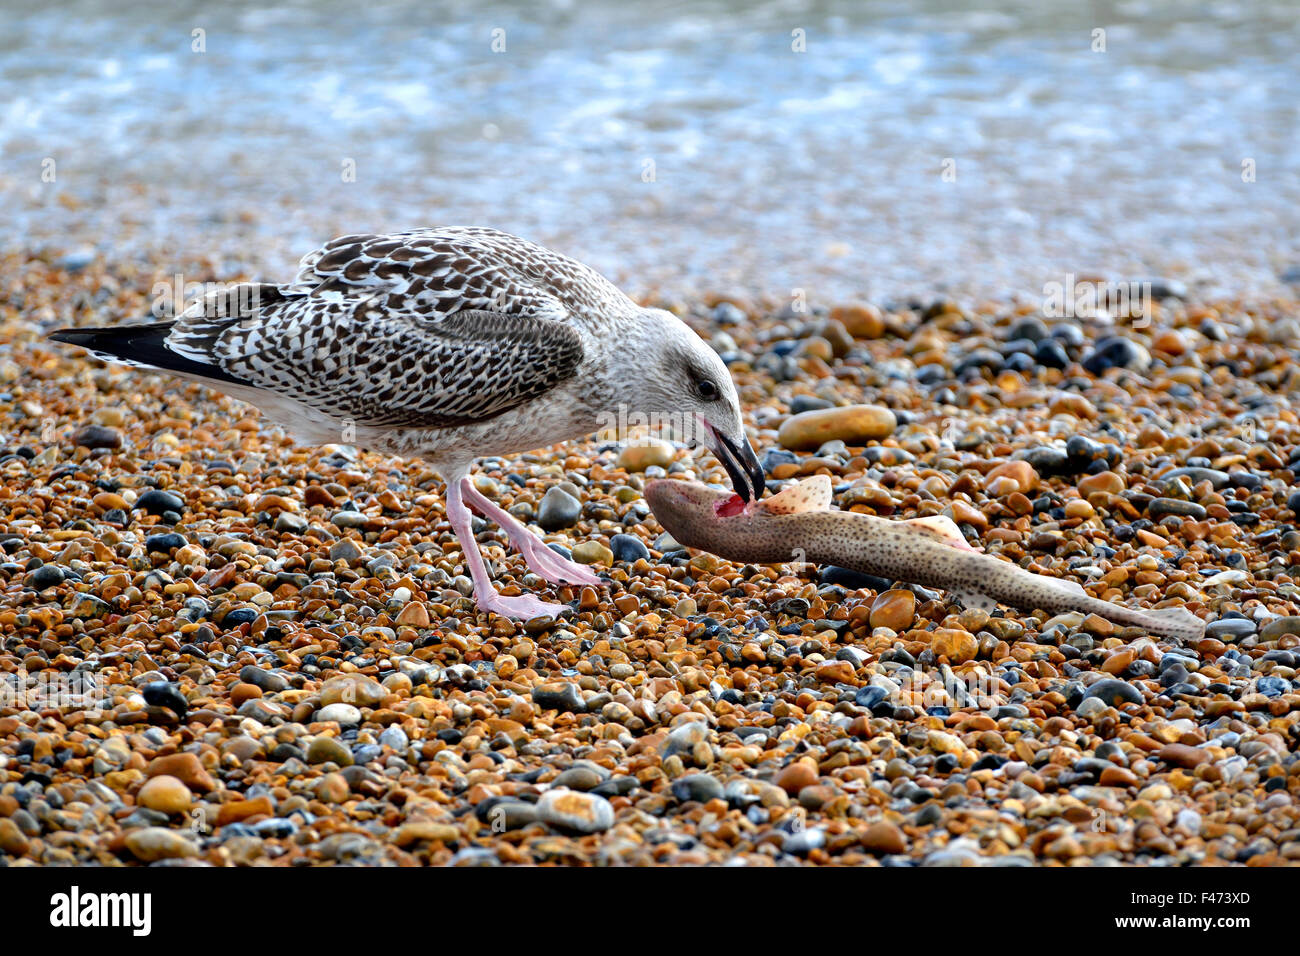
<point>405,338</point>
<point>419,330</point>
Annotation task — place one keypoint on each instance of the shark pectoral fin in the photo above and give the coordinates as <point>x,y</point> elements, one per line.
<point>943,528</point>
<point>1075,587</point>
<point>1180,622</point>
<point>973,599</point>
<point>811,494</point>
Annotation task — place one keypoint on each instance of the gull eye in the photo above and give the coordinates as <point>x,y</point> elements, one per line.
<point>707,389</point>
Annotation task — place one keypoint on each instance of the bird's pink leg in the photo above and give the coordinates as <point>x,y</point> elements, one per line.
<point>542,561</point>
<point>523,607</point>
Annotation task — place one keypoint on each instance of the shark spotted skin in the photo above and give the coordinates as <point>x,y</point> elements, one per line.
<point>798,524</point>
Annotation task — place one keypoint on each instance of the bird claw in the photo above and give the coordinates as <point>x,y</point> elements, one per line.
<point>525,607</point>
<point>551,566</point>
<point>570,572</point>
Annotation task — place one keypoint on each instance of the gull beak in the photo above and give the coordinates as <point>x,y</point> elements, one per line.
<point>742,464</point>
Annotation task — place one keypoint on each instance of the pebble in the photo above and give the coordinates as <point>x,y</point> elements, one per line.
<point>354,689</point>
<point>97,436</point>
<point>1091,707</point>
<point>151,844</point>
<point>1019,472</point>
<point>344,714</point>
<point>870,696</point>
<point>242,693</point>
<point>165,694</point>
<point>640,455</point>
<point>1228,578</point>
<point>560,695</point>
<point>1196,474</point>
<point>577,812</point>
<point>860,320</point>
<point>883,839</point>
<point>592,552</point>
<point>185,767</point>
<point>155,501</point>
<point>345,550</point>
<point>290,523</point>
<point>164,543</point>
<point>1230,629</point>
<point>1172,506</point>
<point>1116,352</point>
<point>46,576</point>
<point>1279,628</point>
<point>165,794</point>
<point>851,424</point>
<point>558,509</point>
<point>348,519</point>
<point>504,815</point>
<point>268,681</point>
<point>1115,692</point>
<point>1183,755</point>
<point>796,776</point>
<point>894,609</point>
<point>333,788</point>
<point>803,842</point>
<point>628,548</point>
<point>699,787</point>
<point>12,839</point>
<point>325,749</point>
<point>584,777</point>
<point>414,614</point>
<point>956,645</point>
<point>1113,776</point>
<point>1106,482</point>
<point>847,578</point>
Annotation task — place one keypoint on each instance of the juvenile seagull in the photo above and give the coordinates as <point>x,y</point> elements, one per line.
<point>448,344</point>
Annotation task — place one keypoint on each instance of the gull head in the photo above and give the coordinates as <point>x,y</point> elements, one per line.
<point>683,382</point>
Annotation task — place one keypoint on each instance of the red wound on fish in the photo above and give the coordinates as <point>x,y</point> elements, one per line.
<point>731,507</point>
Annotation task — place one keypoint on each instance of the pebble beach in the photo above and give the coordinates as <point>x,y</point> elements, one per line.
<point>1033,269</point>
<point>219,648</point>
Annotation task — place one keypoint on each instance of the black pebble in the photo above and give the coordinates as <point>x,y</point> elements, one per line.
<point>161,693</point>
<point>97,436</point>
<point>807,403</point>
<point>240,615</point>
<point>564,698</point>
<point>163,543</point>
<point>1051,354</point>
<point>699,787</point>
<point>628,547</point>
<point>852,580</point>
<point>870,697</point>
<point>46,576</point>
<point>155,501</point>
<point>1113,692</point>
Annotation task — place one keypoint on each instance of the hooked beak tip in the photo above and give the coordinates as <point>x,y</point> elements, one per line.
<point>743,466</point>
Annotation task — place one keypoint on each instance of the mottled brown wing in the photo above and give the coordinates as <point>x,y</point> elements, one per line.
<point>353,358</point>
<point>450,269</point>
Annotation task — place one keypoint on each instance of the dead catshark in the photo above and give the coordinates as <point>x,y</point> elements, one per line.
<point>799,524</point>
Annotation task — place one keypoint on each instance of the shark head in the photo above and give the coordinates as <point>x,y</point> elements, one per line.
<point>707,518</point>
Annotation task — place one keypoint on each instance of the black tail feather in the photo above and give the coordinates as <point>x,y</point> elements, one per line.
<point>140,345</point>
